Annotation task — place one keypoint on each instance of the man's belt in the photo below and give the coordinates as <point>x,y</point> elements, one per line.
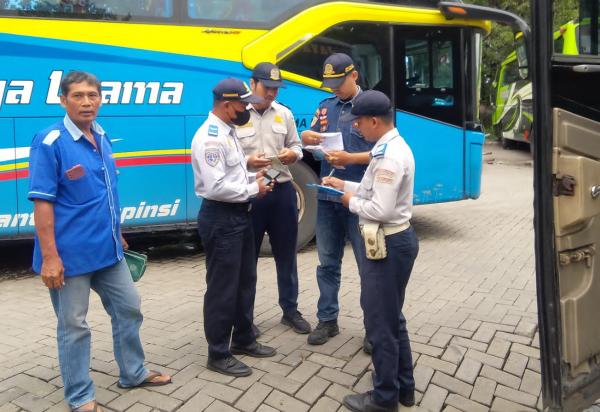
<point>393,229</point>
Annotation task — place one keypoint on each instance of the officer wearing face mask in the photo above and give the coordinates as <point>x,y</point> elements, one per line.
<point>225,227</point>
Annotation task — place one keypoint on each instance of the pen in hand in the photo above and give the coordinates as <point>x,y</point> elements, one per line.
<point>331,173</point>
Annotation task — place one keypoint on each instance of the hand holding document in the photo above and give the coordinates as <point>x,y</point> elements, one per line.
<point>331,142</point>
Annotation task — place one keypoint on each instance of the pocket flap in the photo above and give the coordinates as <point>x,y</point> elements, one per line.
<point>279,128</point>
<point>245,132</point>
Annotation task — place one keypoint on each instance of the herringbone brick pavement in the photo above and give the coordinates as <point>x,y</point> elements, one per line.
<point>470,307</point>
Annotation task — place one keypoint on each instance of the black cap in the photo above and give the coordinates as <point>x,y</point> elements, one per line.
<point>235,89</point>
<point>369,103</point>
<point>335,69</point>
<point>268,74</point>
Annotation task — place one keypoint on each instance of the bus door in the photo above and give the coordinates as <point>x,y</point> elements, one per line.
<point>430,109</point>
<point>567,208</point>
<point>9,156</point>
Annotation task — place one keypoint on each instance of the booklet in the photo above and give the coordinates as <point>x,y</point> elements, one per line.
<point>326,189</point>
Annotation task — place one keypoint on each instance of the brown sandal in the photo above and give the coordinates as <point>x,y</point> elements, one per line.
<point>149,381</point>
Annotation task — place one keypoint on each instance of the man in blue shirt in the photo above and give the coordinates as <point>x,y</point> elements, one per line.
<point>335,223</point>
<point>78,243</point>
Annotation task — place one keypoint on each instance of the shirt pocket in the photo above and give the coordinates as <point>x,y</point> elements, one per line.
<point>279,128</point>
<point>247,138</point>
<point>81,190</point>
<point>232,158</point>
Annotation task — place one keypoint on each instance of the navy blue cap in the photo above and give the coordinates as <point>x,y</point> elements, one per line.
<point>235,89</point>
<point>335,69</point>
<point>369,103</point>
<point>268,74</point>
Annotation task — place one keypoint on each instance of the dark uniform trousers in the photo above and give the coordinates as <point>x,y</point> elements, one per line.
<point>277,214</point>
<point>228,240</point>
<point>383,284</point>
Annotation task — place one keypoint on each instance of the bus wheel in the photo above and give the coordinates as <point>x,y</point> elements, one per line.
<point>307,207</point>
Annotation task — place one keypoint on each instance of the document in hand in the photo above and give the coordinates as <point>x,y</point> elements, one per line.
<point>332,141</point>
<point>326,189</point>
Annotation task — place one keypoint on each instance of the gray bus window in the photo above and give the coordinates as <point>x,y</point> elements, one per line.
<point>90,9</point>
<point>442,68</point>
<point>511,73</point>
<point>417,64</point>
<point>368,45</point>
<point>248,11</point>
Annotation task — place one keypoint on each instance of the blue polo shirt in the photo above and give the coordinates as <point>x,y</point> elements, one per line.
<point>327,120</point>
<point>66,169</point>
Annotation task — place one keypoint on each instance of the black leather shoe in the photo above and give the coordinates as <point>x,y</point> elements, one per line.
<point>364,402</point>
<point>296,322</point>
<point>256,350</point>
<point>256,331</point>
<point>367,346</point>
<point>323,332</point>
<point>229,366</point>
<point>406,398</point>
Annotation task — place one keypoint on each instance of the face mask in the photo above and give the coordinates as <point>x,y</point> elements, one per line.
<point>241,118</point>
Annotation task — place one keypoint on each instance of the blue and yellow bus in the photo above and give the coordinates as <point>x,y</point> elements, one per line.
<point>159,59</point>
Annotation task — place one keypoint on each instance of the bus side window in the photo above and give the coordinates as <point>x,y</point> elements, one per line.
<point>428,65</point>
<point>368,44</point>
<point>98,10</point>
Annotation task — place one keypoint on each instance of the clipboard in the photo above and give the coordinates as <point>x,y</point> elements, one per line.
<point>326,189</point>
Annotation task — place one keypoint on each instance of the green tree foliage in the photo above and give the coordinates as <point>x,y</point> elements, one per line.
<point>500,43</point>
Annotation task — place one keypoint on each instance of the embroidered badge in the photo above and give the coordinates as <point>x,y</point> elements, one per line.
<point>212,157</point>
<point>324,111</point>
<point>213,130</point>
<point>384,176</point>
<point>275,74</point>
<point>314,119</point>
<point>328,70</point>
<point>76,172</point>
<point>380,151</point>
<point>278,119</point>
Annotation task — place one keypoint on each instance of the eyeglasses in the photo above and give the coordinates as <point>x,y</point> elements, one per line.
<point>93,97</point>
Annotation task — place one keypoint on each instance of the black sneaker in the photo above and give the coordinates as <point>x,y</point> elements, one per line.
<point>323,332</point>
<point>296,322</point>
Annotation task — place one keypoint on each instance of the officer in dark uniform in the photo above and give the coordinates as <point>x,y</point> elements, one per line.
<point>224,225</point>
<point>335,224</point>
<point>270,139</point>
<point>383,201</point>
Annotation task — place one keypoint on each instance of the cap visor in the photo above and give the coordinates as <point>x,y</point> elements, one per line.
<point>272,83</point>
<point>333,82</point>
<point>348,117</point>
<point>253,99</point>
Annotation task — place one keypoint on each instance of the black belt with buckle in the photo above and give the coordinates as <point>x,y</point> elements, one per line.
<point>235,207</point>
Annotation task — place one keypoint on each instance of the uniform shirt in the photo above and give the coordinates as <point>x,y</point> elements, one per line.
<point>81,181</point>
<point>327,120</point>
<point>269,133</point>
<point>385,193</point>
<point>219,164</point>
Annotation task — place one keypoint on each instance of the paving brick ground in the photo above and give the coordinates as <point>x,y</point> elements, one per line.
<point>470,307</point>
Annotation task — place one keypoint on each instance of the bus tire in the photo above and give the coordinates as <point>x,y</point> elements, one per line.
<point>307,207</point>
<point>507,143</point>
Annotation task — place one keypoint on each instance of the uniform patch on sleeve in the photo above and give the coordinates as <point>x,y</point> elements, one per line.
<point>212,157</point>
<point>213,130</point>
<point>51,137</point>
<point>384,176</point>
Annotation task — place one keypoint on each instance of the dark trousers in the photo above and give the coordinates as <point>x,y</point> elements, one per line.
<point>228,240</point>
<point>277,214</point>
<point>383,284</point>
